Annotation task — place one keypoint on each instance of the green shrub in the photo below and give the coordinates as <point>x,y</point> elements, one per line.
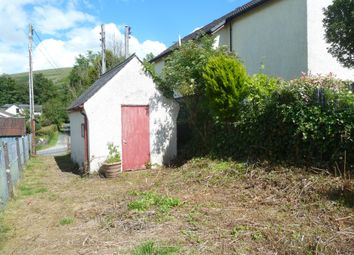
<point>47,131</point>
<point>226,84</point>
<point>308,120</point>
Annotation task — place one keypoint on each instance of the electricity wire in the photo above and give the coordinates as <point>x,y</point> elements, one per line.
<point>44,51</point>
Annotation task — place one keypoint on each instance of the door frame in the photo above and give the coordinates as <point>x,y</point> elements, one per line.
<point>122,142</point>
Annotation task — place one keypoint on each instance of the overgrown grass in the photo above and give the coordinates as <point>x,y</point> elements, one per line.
<point>151,248</point>
<point>148,200</point>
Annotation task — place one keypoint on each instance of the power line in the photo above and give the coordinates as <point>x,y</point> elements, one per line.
<point>45,56</point>
<point>45,53</point>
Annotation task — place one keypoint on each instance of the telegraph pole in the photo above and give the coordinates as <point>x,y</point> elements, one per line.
<point>31,94</point>
<point>103,45</point>
<point>127,37</point>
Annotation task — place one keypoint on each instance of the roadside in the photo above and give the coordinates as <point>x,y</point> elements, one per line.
<point>47,137</point>
<point>59,148</point>
<point>203,207</point>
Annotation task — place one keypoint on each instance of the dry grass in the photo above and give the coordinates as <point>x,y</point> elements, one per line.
<point>219,208</point>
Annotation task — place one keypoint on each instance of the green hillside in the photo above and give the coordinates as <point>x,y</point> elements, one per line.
<point>59,76</point>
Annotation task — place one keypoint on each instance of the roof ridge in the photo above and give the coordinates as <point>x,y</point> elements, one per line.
<point>99,83</point>
<point>210,27</point>
<point>118,65</point>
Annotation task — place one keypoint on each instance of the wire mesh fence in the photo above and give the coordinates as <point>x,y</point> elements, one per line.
<point>14,154</point>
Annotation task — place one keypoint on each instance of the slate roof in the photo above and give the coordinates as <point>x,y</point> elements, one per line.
<point>7,105</point>
<point>37,108</point>
<point>215,25</point>
<point>77,104</point>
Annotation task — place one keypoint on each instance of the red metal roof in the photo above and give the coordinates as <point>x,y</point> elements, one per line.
<point>12,127</point>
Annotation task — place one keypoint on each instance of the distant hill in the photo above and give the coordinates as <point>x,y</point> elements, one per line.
<point>59,76</point>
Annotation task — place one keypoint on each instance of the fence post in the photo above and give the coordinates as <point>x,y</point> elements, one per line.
<point>29,146</point>
<point>18,156</point>
<point>8,171</point>
<point>24,150</point>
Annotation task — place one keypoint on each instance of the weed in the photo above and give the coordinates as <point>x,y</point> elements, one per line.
<point>151,199</point>
<point>66,221</point>
<point>213,172</point>
<point>148,165</point>
<point>107,222</point>
<point>151,248</point>
<point>237,230</point>
<point>257,235</point>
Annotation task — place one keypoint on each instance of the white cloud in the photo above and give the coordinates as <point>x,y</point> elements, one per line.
<point>142,49</point>
<point>75,33</point>
<point>63,53</point>
<point>11,61</point>
<point>50,19</point>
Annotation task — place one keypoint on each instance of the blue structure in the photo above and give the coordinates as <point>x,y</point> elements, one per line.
<point>14,154</point>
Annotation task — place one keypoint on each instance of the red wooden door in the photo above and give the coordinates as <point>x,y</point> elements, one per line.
<point>135,137</point>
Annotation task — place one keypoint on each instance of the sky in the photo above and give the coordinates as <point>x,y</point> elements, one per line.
<point>66,28</point>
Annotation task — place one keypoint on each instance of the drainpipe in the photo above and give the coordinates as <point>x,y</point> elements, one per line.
<point>231,42</point>
<point>86,141</point>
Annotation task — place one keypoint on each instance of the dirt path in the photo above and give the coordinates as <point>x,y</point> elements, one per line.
<point>194,209</point>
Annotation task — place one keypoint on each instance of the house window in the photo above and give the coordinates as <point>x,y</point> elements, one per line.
<point>83,130</point>
<point>17,110</point>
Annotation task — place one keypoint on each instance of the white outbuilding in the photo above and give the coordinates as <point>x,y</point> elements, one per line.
<point>125,108</point>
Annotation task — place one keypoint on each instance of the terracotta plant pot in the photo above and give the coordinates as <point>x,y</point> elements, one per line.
<point>110,170</point>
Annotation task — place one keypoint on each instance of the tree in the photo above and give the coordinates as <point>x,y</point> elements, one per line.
<point>226,84</point>
<point>339,30</point>
<point>44,89</point>
<point>8,90</point>
<point>183,70</point>
<point>182,75</point>
<point>87,70</point>
<point>54,112</point>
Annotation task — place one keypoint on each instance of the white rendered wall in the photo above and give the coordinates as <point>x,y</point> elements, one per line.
<point>319,60</point>
<point>77,141</point>
<point>12,109</point>
<point>131,86</point>
<point>273,35</point>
